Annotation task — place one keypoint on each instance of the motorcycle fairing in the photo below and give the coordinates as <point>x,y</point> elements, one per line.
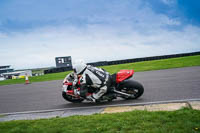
<point>66,85</point>
<point>124,74</point>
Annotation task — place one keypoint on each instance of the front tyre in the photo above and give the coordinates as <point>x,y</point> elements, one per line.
<point>134,88</point>
<point>71,98</point>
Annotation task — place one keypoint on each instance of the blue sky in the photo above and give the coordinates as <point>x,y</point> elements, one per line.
<point>34,32</point>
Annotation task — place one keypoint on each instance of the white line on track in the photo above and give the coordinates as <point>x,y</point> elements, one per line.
<point>103,106</point>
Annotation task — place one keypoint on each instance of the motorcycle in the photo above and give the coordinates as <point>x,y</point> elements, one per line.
<point>122,85</point>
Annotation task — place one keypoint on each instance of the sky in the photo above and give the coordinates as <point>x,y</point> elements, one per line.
<point>34,32</point>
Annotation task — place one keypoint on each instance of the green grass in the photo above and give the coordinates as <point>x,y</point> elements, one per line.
<point>157,64</point>
<point>1,117</point>
<point>138,66</point>
<point>181,121</point>
<point>46,77</point>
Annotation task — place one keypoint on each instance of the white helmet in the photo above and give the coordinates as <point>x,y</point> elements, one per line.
<point>79,67</point>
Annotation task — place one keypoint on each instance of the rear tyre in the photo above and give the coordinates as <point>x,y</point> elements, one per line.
<point>134,88</point>
<point>71,98</point>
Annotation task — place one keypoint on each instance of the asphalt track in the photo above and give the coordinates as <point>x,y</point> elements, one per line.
<point>160,85</point>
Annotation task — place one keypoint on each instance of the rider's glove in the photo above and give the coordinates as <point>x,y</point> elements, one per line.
<point>74,82</point>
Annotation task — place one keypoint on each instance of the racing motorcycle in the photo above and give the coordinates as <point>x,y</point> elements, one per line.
<point>122,85</point>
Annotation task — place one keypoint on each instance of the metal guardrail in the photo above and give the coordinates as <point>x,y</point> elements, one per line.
<point>56,70</point>
<point>106,63</point>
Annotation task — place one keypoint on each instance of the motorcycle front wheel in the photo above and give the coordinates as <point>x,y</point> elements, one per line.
<point>71,98</point>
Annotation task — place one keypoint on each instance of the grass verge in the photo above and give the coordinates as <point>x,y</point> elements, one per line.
<point>180,121</point>
<point>157,64</point>
<point>138,66</point>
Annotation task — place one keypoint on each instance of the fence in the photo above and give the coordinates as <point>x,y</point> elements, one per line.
<point>105,63</point>
<point>56,70</point>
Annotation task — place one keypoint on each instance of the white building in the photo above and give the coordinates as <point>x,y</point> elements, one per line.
<point>17,74</point>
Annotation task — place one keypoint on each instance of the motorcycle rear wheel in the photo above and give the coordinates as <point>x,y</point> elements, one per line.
<point>134,88</point>
<point>71,98</point>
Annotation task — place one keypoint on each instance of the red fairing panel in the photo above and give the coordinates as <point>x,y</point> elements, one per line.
<point>71,92</point>
<point>68,83</point>
<point>123,74</point>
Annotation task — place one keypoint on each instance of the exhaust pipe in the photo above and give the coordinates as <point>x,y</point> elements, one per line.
<point>122,93</point>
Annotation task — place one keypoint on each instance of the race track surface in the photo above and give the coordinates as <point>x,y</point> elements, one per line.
<point>160,85</point>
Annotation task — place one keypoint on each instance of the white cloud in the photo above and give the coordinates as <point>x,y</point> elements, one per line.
<point>170,21</point>
<point>138,34</point>
<point>3,35</point>
<point>40,47</point>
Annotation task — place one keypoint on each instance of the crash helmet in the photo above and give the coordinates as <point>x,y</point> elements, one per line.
<point>79,67</point>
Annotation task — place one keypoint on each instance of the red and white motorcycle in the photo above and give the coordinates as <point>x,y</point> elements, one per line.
<point>122,86</point>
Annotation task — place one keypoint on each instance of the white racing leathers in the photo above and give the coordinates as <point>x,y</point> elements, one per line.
<point>96,78</point>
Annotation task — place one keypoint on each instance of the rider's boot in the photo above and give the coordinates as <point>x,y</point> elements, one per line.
<point>91,98</point>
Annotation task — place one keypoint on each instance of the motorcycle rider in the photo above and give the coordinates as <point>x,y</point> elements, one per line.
<point>92,77</point>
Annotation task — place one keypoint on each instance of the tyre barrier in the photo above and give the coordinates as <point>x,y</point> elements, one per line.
<point>106,63</point>
<point>57,70</point>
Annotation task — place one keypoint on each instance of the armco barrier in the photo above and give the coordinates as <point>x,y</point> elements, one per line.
<point>105,63</point>
<point>56,70</point>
